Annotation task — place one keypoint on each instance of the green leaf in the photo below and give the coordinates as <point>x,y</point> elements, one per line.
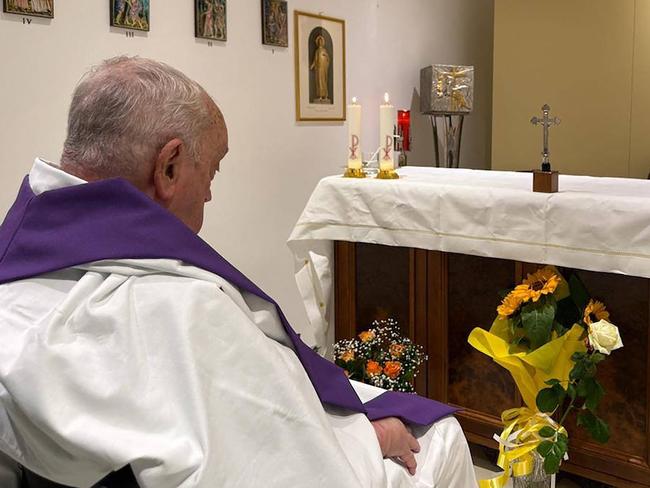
<point>560,392</point>
<point>577,373</point>
<point>553,381</point>
<point>552,463</point>
<point>592,391</point>
<point>553,453</point>
<point>545,448</point>
<point>559,449</point>
<point>563,442</point>
<point>516,321</point>
<point>598,429</point>
<point>577,356</point>
<point>567,313</point>
<point>537,319</point>
<point>547,400</point>
<point>521,341</point>
<point>571,391</point>
<point>583,368</point>
<point>547,431</point>
<point>559,328</point>
<point>597,357</point>
<point>579,293</point>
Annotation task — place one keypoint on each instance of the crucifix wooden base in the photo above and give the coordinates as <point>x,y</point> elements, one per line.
<point>545,181</point>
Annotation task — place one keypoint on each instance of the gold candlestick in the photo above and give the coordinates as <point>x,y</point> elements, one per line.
<point>354,173</point>
<point>387,174</point>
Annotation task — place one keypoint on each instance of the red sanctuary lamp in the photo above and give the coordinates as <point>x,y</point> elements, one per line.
<point>404,127</point>
<point>404,131</point>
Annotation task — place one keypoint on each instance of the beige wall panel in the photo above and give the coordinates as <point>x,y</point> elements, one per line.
<point>577,57</point>
<point>640,132</point>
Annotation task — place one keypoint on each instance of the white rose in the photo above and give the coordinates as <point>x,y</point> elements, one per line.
<point>604,337</point>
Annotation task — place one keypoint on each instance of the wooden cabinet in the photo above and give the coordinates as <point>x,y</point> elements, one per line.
<point>438,298</point>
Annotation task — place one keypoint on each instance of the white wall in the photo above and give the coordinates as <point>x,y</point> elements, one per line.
<point>274,162</point>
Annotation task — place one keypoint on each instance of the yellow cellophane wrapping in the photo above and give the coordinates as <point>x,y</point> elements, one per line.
<point>530,370</point>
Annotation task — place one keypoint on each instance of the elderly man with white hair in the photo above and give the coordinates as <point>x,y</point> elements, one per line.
<point>133,353</point>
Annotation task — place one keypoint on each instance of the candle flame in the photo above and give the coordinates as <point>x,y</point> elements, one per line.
<point>354,99</point>
<point>386,97</point>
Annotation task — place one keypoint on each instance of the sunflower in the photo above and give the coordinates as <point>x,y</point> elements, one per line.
<point>542,282</point>
<point>595,311</point>
<point>522,292</point>
<point>509,305</point>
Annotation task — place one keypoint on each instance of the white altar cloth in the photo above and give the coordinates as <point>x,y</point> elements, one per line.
<point>597,224</point>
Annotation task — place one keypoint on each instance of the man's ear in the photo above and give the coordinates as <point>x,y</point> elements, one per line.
<point>166,171</point>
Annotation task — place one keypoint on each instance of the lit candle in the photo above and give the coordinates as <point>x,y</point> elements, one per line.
<point>387,118</point>
<point>354,135</point>
<point>404,128</point>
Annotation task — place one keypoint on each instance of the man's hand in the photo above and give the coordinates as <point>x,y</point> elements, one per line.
<point>396,441</point>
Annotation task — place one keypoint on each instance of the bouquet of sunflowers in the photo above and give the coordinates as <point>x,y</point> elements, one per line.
<point>550,335</point>
<point>381,356</point>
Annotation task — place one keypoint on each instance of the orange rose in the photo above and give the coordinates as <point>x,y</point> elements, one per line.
<point>373,368</point>
<point>347,355</point>
<point>396,350</point>
<point>392,369</point>
<point>367,336</point>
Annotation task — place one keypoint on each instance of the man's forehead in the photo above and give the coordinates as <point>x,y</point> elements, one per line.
<point>218,130</point>
<point>220,138</point>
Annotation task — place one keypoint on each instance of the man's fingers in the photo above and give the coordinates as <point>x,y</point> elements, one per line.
<point>409,462</point>
<point>414,445</point>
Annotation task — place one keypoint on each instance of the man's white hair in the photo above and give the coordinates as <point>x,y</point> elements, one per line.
<point>125,110</point>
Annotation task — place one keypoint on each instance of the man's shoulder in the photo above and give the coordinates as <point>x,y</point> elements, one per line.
<point>171,281</point>
<point>155,271</point>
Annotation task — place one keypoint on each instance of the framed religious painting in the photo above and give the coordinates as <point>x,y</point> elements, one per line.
<point>131,14</point>
<point>320,67</point>
<point>36,8</point>
<point>210,20</point>
<point>275,23</point>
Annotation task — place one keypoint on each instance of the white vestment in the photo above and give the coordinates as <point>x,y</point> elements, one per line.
<point>171,369</point>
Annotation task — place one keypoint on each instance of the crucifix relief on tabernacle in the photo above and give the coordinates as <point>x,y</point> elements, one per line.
<point>546,122</point>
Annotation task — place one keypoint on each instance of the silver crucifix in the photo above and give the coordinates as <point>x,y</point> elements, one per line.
<point>546,122</point>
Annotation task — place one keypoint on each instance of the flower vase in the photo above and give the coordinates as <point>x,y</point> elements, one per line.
<point>537,479</point>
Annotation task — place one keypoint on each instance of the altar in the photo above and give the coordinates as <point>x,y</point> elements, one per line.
<point>433,249</point>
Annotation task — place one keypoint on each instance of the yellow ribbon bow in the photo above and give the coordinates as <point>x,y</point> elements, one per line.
<point>517,443</point>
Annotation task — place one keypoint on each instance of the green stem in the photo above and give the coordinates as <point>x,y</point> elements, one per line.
<point>566,412</point>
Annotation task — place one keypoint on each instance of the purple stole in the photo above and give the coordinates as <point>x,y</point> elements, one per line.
<point>111,219</point>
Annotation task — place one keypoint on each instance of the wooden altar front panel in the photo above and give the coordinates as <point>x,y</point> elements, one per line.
<point>439,297</point>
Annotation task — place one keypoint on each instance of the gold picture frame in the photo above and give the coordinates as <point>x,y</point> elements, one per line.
<point>131,14</point>
<point>319,44</point>
<point>211,20</point>
<point>35,8</point>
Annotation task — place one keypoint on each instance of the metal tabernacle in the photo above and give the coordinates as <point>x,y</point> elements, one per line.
<point>447,95</point>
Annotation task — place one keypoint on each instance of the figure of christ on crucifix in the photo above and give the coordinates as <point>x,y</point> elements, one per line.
<point>546,122</point>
